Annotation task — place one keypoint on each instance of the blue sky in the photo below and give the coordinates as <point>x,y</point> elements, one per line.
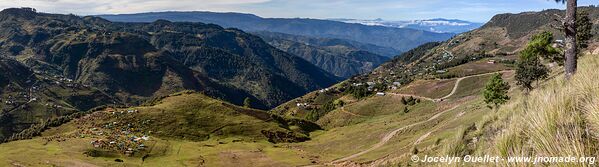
<point>472,10</point>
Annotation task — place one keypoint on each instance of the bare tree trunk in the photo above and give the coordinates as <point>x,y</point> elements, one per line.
<point>570,30</point>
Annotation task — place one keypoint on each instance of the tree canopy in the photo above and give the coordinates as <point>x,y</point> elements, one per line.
<point>495,92</point>
<point>584,27</point>
<point>529,67</point>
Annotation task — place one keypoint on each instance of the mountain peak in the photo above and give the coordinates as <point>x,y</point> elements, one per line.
<point>162,21</point>
<point>24,12</point>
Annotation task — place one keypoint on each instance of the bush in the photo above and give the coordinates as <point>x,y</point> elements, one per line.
<point>314,115</point>
<point>358,92</point>
<point>463,60</point>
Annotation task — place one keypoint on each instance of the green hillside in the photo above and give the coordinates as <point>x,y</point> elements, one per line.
<point>184,119</point>
<point>55,65</point>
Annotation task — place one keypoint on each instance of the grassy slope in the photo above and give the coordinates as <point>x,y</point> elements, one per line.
<point>558,119</point>
<point>187,129</point>
<point>376,116</point>
<point>429,88</point>
<point>196,117</point>
<point>479,67</point>
<point>165,153</point>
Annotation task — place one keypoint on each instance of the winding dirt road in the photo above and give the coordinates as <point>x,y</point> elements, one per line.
<point>391,134</point>
<point>453,91</point>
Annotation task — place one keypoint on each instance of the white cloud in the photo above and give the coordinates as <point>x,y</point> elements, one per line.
<point>84,7</point>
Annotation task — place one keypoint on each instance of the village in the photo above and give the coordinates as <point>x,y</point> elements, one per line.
<point>32,90</point>
<point>107,134</point>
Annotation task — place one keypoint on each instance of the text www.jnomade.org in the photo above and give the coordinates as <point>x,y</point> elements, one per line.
<point>498,159</point>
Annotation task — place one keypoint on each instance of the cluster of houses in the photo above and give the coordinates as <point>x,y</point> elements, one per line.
<point>302,105</point>
<point>123,137</point>
<point>28,96</point>
<point>16,99</point>
<point>10,100</point>
<point>125,144</point>
<point>60,80</point>
<point>390,85</point>
<point>114,111</point>
<point>325,90</point>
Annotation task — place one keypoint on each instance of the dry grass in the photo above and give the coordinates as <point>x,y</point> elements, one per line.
<point>559,119</point>
<point>429,88</point>
<point>477,67</point>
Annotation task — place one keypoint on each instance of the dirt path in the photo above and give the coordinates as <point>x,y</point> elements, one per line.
<point>421,138</point>
<point>457,82</point>
<point>415,96</point>
<point>350,113</point>
<point>390,135</point>
<point>453,91</point>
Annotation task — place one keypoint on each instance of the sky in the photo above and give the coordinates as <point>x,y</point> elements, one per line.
<point>471,10</point>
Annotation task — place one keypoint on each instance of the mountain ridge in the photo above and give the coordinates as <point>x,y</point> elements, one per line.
<point>400,39</point>
<point>84,62</point>
<point>339,57</point>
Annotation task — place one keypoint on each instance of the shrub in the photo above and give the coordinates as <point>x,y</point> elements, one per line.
<point>495,92</point>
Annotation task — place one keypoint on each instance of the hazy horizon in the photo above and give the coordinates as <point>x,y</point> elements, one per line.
<point>470,10</point>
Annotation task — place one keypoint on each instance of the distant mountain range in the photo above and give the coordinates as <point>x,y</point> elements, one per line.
<point>342,58</point>
<point>400,39</point>
<point>439,25</point>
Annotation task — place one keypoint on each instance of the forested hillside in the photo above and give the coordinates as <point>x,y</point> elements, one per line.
<point>340,57</point>
<point>51,59</point>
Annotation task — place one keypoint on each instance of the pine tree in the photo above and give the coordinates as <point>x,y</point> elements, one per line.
<point>495,92</point>
<point>529,67</point>
<point>529,71</point>
<point>584,27</point>
<point>540,45</point>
